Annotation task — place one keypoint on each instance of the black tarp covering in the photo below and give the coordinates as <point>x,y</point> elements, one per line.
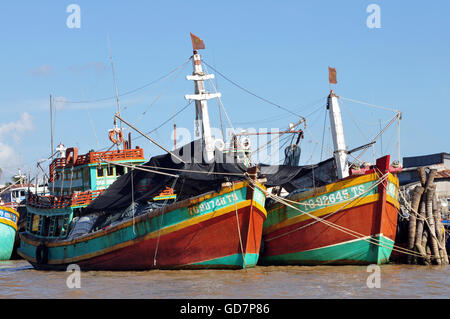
<point>299,177</point>
<point>141,186</point>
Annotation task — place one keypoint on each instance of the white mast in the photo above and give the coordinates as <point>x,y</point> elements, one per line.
<point>337,130</point>
<point>201,105</point>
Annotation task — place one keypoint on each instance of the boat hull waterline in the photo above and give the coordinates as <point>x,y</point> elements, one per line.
<point>196,233</point>
<point>368,224</point>
<point>8,228</point>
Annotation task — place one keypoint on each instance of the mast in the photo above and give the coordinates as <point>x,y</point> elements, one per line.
<point>337,131</point>
<point>201,105</point>
<point>51,127</point>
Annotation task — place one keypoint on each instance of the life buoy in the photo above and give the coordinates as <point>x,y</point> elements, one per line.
<point>71,155</point>
<point>42,254</point>
<point>119,134</point>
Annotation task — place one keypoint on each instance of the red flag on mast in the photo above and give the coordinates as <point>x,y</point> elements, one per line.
<point>197,43</point>
<point>332,75</point>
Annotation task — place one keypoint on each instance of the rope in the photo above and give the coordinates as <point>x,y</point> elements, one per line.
<point>369,104</point>
<point>193,171</point>
<point>159,96</point>
<point>168,120</point>
<point>341,228</point>
<point>349,201</point>
<point>138,168</point>
<point>160,227</point>
<point>132,199</point>
<point>220,105</point>
<point>255,95</point>
<point>379,134</point>
<point>129,92</point>
<point>238,228</point>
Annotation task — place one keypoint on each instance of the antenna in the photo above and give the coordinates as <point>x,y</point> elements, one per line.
<point>51,126</point>
<point>114,78</point>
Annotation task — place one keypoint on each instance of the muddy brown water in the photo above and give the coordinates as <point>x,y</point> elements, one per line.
<point>19,280</point>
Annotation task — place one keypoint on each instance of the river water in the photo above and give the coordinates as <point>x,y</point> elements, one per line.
<point>19,280</point>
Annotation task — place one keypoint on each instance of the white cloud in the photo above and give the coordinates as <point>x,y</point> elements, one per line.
<point>9,158</point>
<point>17,128</point>
<point>44,70</point>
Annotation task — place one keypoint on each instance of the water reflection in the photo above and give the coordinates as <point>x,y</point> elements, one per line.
<point>19,280</point>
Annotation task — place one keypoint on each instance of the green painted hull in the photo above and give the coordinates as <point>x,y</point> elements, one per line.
<point>232,261</point>
<point>7,237</point>
<point>358,252</point>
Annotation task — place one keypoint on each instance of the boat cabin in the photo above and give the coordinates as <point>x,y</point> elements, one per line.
<point>74,181</point>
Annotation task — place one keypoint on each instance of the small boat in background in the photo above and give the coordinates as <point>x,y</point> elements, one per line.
<point>12,200</point>
<point>8,228</point>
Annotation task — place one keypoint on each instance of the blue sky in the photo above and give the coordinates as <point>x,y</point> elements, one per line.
<point>278,50</point>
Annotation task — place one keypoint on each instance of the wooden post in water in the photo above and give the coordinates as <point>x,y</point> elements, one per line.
<point>440,234</point>
<point>417,195</point>
<point>425,228</point>
<point>426,247</point>
<point>431,223</point>
<point>420,230</point>
<point>422,175</point>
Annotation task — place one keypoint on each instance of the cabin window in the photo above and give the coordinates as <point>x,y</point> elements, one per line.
<point>22,193</point>
<point>120,170</point>
<point>35,224</point>
<point>110,170</point>
<point>86,174</point>
<point>44,222</point>
<point>100,172</point>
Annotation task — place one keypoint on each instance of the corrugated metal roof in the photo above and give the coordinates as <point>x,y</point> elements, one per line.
<point>443,174</point>
<point>424,160</point>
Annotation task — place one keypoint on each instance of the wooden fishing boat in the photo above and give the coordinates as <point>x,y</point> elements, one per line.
<point>351,218</point>
<point>162,214</point>
<point>8,228</point>
<point>213,230</point>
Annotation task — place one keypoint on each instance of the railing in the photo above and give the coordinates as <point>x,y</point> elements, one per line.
<point>97,157</point>
<point>84,198</point>
<point>50,201</point>
<point>10,204</point>
<point>122,155</point>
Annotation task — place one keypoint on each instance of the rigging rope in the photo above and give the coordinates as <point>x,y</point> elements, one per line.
<point>128,92</point>
<point>160,226</point>
<point>343,229</point>
<point>255,95</point>
<point>238,227</point>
